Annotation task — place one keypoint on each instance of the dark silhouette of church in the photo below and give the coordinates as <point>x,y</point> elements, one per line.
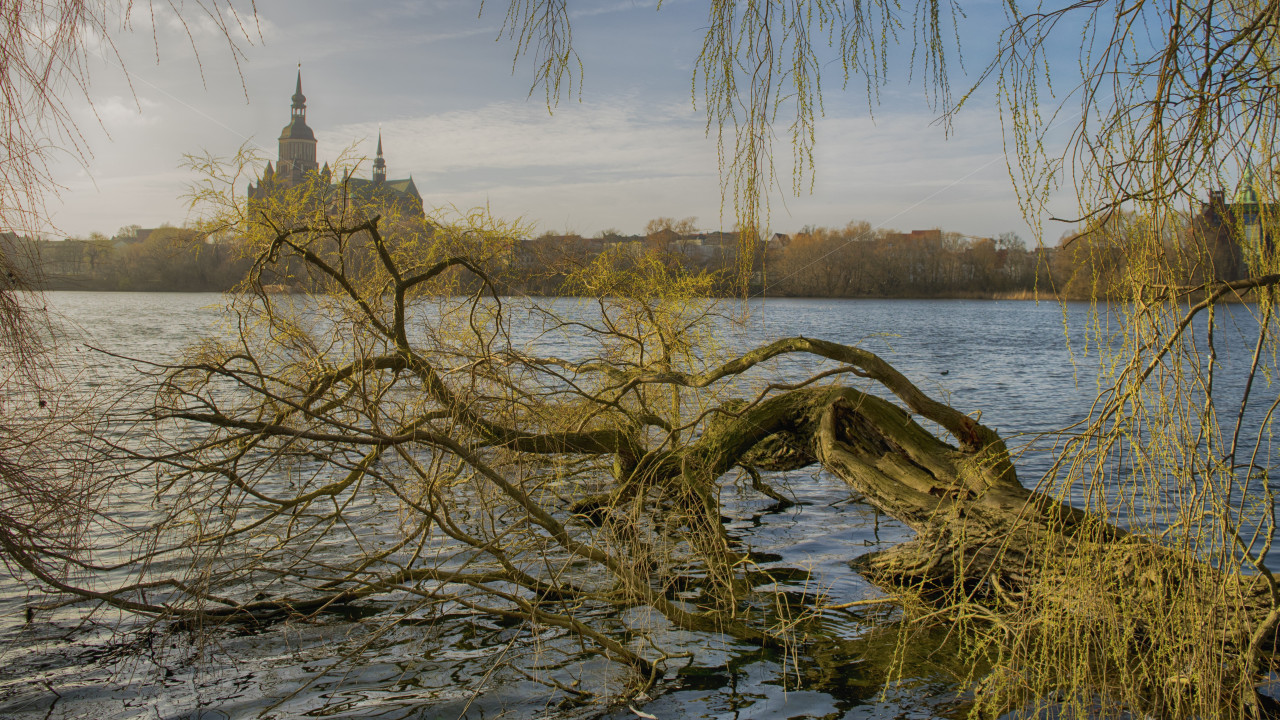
<point>297,162</point>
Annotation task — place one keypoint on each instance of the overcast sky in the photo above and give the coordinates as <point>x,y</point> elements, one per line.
<point>457,116</point>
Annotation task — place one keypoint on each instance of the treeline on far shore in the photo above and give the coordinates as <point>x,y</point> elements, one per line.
<point>856,261</point>
<point>165,259</point>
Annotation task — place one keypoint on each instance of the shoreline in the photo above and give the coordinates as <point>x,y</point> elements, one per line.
<point>1007,296</point>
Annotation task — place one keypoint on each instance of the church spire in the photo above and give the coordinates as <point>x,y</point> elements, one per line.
<point>299,100</point>
<point>379,164</point>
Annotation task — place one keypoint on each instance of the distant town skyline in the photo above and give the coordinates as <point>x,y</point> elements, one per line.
<point>455,117</point>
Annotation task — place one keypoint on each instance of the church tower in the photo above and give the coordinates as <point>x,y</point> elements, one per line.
<point>297,142</point>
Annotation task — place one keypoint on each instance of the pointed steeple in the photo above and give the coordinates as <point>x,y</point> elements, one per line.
<point>266,174</point>
<point>299,100</point>
<point>379,164</point>
<point>325,173</point>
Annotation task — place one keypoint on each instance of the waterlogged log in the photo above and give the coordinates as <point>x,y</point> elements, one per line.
<point>965,505</point>
<point>979,532</point>
<point>972,517</point>
<point>987,546</point>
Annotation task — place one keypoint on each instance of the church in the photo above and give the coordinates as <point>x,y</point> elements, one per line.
<point>1237,233</point>
<point>297,161</point>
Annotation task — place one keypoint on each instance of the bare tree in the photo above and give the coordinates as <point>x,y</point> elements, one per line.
<point>46,495</point>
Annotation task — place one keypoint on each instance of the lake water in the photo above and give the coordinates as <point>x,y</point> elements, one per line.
<point>1008,360</point>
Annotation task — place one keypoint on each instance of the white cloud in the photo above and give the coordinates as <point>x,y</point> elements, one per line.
<point>620,136</point>
<point>116,113</point>
<point>204,22</point>
<point>453,116</point>
<point>606,164</point>
<point>619,162</point>
<point>113,201</point>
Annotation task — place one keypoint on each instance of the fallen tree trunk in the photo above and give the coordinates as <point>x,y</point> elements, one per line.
<point>973,518</point>
<point>985,545</point>
<point>979,530</point>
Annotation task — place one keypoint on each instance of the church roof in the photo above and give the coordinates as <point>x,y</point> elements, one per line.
<point>402,187</point>
<point>405,187</point>
<point>297,130</point>
<point>1248,193</point>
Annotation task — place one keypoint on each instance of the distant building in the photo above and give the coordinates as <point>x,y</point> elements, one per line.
<point>1251,215</point>
<point>296,162</point>
<point>916,236</point>
<point>139,235</point>
<point>1230,230</point>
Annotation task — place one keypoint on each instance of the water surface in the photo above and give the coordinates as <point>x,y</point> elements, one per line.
<point>1008,360</point>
